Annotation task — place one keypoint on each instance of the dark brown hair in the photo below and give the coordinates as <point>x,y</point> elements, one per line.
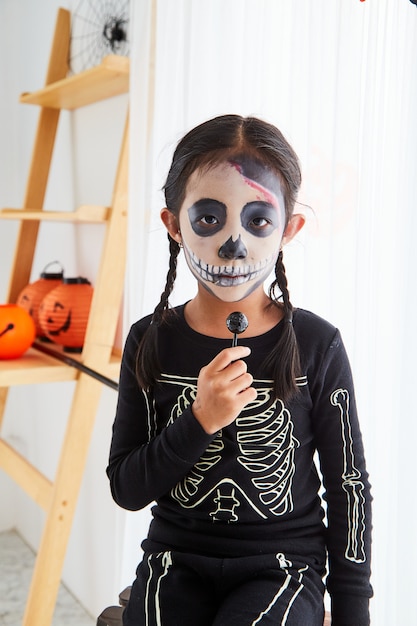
<point>206,145</point>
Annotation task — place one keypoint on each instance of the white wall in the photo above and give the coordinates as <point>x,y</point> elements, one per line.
<point>83,171</point>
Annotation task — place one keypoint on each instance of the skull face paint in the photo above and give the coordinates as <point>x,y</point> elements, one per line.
<point>232,221</point>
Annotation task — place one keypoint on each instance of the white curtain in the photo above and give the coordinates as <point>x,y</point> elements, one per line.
<point>340,80</point>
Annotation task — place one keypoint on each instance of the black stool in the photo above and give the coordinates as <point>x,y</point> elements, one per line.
<point>112,616</point>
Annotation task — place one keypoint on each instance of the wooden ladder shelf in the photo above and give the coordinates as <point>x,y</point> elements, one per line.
<point>58,498</point>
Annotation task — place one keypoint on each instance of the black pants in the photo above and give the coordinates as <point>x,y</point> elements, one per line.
<point>176,589</point>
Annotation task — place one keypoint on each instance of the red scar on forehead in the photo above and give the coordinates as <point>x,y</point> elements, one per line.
<point>271,198</point>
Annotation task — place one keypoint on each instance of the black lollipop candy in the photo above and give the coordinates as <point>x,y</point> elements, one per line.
<point>237,323</point>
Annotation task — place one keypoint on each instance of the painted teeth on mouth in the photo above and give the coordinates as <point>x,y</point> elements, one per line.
<point>227,274</point>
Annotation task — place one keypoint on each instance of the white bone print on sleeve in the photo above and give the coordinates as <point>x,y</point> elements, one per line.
<point>351,484</point>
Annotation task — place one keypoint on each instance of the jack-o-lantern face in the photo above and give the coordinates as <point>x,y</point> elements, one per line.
<point>25,301</point>
<point>17,331</point>
<point>63,314</point>
<point>32,295</point>
<point>58,320</point>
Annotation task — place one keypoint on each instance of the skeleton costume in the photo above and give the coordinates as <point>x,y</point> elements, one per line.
<point>246,498</point>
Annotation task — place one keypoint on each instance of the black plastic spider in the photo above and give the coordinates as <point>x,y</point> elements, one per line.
<point>114,33</point>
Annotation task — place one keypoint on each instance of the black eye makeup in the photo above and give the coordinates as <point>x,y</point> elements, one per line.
<point>260,218</point>
<point>207,217</point>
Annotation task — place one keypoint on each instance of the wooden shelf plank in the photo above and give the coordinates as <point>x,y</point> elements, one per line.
<point>88,213</point>
<point>110,78</point>
<point>34,367</point>
<point>79,363</point>
<point>37,367</point>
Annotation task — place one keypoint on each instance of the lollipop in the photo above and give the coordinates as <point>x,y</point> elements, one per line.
<point>237,323</point>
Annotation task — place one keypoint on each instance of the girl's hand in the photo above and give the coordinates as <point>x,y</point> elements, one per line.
<point>223,389</point>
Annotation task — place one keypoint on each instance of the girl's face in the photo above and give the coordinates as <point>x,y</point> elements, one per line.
<point>231,225</point>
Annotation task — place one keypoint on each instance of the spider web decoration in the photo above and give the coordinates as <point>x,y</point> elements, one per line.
<point>98,28</point>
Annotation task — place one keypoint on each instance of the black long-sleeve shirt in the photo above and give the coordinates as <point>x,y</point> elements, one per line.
<point>253,487</point>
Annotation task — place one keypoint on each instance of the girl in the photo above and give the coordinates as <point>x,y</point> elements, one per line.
<point>222,437</point>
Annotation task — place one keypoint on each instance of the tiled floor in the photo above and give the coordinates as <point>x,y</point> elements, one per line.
<point>16,567</point>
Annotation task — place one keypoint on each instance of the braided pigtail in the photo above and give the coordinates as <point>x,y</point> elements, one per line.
<point>147,360</point>
<point>284,358</point>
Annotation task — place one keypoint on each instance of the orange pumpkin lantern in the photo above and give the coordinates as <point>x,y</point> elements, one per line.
<point>17,331</point>
<point>64,311</point>
<point>32,295</point>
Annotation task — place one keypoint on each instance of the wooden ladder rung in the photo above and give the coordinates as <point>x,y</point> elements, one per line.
<point>87,213</point>
<point>30,479</point>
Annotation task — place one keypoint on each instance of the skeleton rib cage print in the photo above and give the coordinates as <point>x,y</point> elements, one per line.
<point>266,446</point>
